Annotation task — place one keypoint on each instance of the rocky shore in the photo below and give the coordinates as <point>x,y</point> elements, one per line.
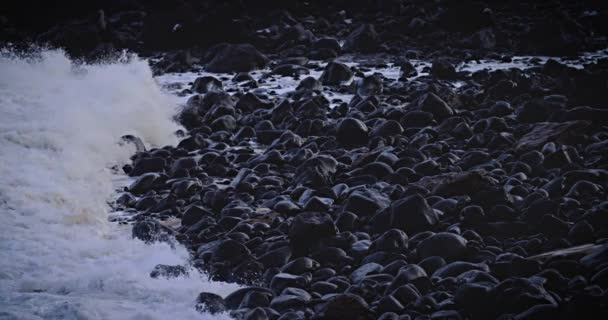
<point>390,160</point>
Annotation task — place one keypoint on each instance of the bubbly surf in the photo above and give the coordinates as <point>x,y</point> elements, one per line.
<point>60,258</point>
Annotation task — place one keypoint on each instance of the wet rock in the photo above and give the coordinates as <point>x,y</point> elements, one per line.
<point>206,84</point>
<point>146,165</point>
<point>442,68</point>
<point>234,299</point>
<point>433,104</point>
<point>291,70</point>
<point>449,246</point>
<point>235,58</point>
<point>362,39</point>
<point>210,302</point>
<point>352,133</point>
<point>309,83</point>
<point>345,306</point>
<point>317,171</point>
<point>308,229</point>
<point>411,214</point>
<point>328,43</point>
<point>146,230</point>
<point>336,73</point>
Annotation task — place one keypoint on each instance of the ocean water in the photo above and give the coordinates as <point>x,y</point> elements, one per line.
<point>60,258</point>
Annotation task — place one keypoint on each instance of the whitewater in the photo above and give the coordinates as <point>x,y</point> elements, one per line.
<point>60,258</point>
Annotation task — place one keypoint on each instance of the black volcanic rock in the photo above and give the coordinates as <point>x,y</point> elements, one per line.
<point>234,58</point>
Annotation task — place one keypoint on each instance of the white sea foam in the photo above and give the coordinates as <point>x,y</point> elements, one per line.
<point>59,256</point>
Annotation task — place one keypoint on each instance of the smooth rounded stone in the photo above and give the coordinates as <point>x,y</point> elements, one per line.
<point>316,171</point>
<point>308,228</point>
<point>446,315</point>
<point>600,278</point>
<point>332,256</point>
<point>286,302</point>
<point>447,245</point>
<point>370,85</point>
<point>256,314</point>
<point>206,84</point>
<point>389,303</point>
<point>360,248</point>
<point>235,58</point>
<point>291,70</point>
<point>336,73</point>
<point>363,271</point>
<point>147,165</point>
<point>393,240</point>
<point>443,69</point>
<point>409,274</point>
<point>283,280</point>
<point>406,294</point>
<point>145,183</point>
<point>581,232</point>
<point>324,287</point>
<point>416,119</point>
<point>147,230</point>
<point>457,268</point>
<point>472,215</point>
<point>346,221</point>
<point>516,295</point>
<point>300,265</point>
<point>194,214</point>
<point>318,204</point>
<point>186,163</point>
<point>475,299</point>
<point>234,299</point>
<point>407,70</point>
<point>433,104</point>
<point>389,316</point>
<point>540,311</point>
<point>501,109</point>
<point>254,299</point>
<point>224,123</point>
<point>310,84</point>
<point>230,251</point>
<point>297,292</point>
<point>386,129</point>
<point>432,264</point>
<point>242,77</point>
<point>393,267</point>
<point>210,302</point>
<point>324,273</point>
<point>346,306</point>
<point>275,258</point>
<point>366,202</point>
<point>363,39</point>
<point>352,133</point>
<point>411,214</point>
<point>292,315</point>
<point>476,276</point>
<point>327,43</point>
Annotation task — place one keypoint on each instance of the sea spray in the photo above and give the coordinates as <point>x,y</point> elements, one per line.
<point>60,258</point>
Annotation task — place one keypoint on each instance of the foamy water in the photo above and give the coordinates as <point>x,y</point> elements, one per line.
<point>59,256</point>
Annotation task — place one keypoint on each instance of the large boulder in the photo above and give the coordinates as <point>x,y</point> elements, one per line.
<point>336,73</point>
<point>308,228</point>
<point>362,39</point>
<point>352,133</point>
<point>235,58</point>
<point>447,245</point>
<point>411,214</point>
<point>316,171</point>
